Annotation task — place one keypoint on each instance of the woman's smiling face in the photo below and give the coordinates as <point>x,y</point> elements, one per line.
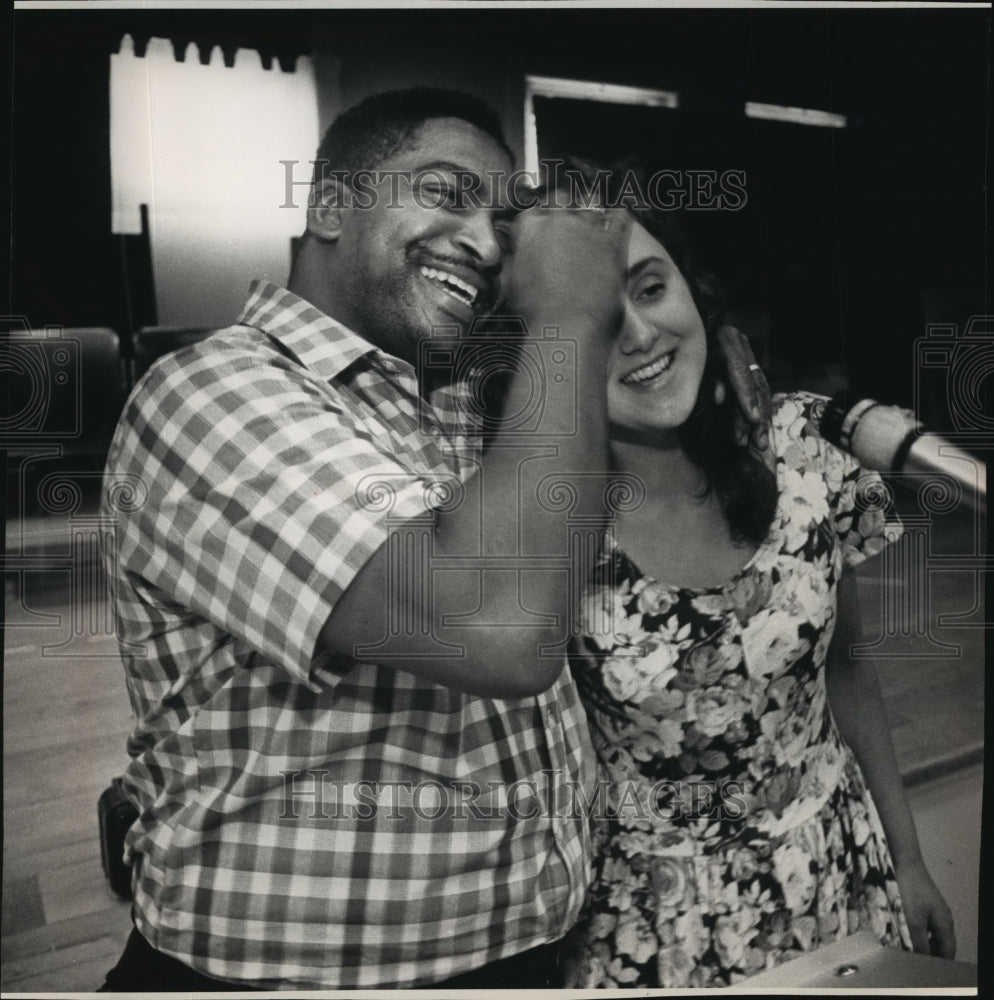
<point>657,361</point>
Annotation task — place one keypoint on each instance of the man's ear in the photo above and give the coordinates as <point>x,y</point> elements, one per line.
<point>328,210</point>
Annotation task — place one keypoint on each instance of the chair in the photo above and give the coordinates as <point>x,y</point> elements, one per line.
<point>65,390</point>
<point>154,342</point>
<point>66,386</point>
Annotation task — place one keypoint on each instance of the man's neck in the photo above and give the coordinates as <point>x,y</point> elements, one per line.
<point>309,280</point>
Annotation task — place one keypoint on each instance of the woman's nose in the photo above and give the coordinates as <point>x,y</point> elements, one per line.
<point>637,334</point>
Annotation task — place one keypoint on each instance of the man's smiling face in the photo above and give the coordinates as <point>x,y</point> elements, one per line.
<point>422,255</point>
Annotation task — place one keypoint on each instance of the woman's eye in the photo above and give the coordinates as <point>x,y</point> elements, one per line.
<point>651,290</point>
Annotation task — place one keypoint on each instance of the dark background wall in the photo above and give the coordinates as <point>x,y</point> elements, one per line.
<point>851,240</point>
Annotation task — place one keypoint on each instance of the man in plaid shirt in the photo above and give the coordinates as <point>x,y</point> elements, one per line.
<point>351,773</point>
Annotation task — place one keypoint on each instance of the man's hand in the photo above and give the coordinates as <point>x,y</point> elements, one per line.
<point>568,262</point>
<point>749,385</point>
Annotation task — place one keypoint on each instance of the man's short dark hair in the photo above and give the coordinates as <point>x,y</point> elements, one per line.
<point>373,130</point>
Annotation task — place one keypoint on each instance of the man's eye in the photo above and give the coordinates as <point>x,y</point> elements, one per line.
<point>504,231</point>
<point>440,196</point>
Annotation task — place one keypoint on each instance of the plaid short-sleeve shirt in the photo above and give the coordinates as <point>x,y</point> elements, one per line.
<point>306,821</point>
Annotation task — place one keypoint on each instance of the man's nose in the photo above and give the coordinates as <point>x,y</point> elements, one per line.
<point>478,236</point>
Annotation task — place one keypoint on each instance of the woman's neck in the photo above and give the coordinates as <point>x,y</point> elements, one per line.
<point>679,534</point>
<point>660,462</point>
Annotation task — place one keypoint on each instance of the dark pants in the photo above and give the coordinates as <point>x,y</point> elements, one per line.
<point>143,969</point>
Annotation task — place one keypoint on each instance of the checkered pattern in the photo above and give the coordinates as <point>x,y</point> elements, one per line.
<point>251,863</point>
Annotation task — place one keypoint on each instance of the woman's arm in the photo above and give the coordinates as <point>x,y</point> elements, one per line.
<point>857,704</point>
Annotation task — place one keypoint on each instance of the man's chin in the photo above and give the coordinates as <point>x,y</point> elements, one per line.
<point>448,325</point>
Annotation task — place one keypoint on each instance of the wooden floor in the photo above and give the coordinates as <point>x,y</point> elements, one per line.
<point>65,721</point>
<point>66,715</point>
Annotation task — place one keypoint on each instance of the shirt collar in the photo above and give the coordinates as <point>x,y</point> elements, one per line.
<point>320,343</point>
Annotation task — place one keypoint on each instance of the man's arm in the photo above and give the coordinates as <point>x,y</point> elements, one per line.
<point>854,695</point>
<point>749,384</point>
<point>566,272</point>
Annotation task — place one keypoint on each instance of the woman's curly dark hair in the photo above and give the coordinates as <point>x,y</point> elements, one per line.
<point>744,485</point>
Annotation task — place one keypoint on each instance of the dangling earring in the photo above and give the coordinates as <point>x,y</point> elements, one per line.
<point>719,393</point>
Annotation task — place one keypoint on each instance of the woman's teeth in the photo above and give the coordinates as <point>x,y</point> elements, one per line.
<point>649,371</point>
<point>456,287</point>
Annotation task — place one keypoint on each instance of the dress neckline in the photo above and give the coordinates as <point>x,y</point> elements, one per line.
<point>770,539</point>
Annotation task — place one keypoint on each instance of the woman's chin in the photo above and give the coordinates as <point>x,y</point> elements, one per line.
<point>652,435</point>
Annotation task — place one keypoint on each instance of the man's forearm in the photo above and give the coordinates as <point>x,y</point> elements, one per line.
<point>501,606</point>
<point>498,619</point>
<point>507,513</point>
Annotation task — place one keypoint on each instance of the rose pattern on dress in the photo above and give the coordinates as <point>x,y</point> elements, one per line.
<point>724,688</point>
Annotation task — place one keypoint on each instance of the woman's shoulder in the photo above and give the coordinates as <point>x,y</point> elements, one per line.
<point>798,443</point>
<point>797,414</point>
<point>819,475</point>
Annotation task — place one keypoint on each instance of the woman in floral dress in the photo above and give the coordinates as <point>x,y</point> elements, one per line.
<point>751,808</point>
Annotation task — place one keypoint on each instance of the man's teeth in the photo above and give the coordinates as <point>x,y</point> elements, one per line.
<point>649,371</point>
<point>456,287</point>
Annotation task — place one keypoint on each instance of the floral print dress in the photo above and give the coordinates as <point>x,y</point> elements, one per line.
<point>735,830</point>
